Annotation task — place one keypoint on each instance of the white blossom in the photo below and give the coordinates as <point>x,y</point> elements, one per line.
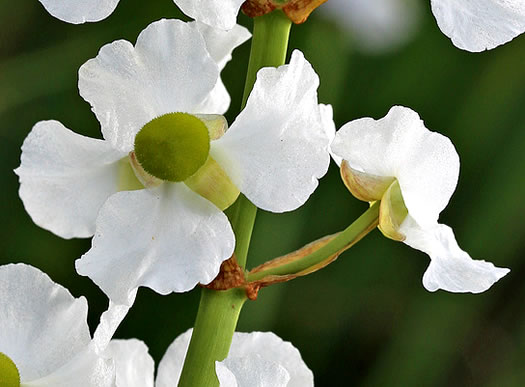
<point>168,237</point>
<point>217,13</point>
<point>44,332</point>
<point>398,151</point>
<point>256,359</point>
<point>477,25</point>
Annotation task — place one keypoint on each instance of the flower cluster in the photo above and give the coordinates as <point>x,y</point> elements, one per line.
<point>152,193</point>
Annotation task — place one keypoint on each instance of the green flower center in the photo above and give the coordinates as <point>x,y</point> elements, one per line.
<point>9,375</point>
<point>173,147</point>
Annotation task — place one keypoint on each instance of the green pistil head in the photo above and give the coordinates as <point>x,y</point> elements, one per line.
<point>9,376</point>
<point>173,147</point>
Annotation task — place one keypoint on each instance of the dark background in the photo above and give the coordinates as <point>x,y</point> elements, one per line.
<point>366,320</point>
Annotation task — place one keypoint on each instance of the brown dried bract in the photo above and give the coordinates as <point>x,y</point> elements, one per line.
<point>230,276</point>
<point>296,10</point>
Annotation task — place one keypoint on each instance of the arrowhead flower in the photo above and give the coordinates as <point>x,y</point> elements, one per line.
<point>256,359</point>
<point>413,172</point>
<point>158,223</point>
<point>217,13</point>
<point>477,25</point>
<point>44,336</point>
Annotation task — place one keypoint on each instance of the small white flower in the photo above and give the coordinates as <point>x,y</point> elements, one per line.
<point>255,359</point>
<point>168,237</point>
<point>44,332</point>
<point>217,13</point>
<point>414,172</point>
<point>376,25</point>
<point>477,25</point>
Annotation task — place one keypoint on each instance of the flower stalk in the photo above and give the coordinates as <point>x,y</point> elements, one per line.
<point>219,310</point>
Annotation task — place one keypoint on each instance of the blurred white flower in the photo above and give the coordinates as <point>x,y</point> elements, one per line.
<point>376,25</point>
<point>169,237</point>
<point>414,172</point>
<point>256,359</point>
<point>217,13</point>
<point>44,332</point>
<point>477,25</point>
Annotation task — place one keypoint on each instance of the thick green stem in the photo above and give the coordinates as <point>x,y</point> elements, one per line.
<point>212,335</point>
<point>348,237</point>
<point>219,310</point>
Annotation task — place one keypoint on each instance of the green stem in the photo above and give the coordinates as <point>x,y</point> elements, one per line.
<point>348,237</point>
<point>219,310</point>
<point>212,335</point>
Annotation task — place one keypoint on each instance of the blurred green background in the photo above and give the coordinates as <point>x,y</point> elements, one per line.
<point>366,320</point>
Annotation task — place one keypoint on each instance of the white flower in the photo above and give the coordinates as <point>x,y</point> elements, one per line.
<point>168,237</point>
<point>414,172</point>
<point>477,25</point>
<point>217,13</point>
<point>255,359</point>
<point>376,25</point>
<point>44,332</point>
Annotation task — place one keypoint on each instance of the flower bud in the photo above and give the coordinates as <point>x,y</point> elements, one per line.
<point>9,375</point>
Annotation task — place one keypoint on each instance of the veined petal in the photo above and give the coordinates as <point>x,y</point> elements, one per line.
<point>451,268</point>
<point>216,13</point>
<point>167,238</point>
<point>134,365</point>
<point>169,70</point>
<point>425,163</point>
<point>251,371</point>
<point>277,148</point>
<point>266,346</point>
<point>78,12</point>
<point>220,44</point>
<point>477,25</point>
<point>42,325</point>
<point>65,178</point>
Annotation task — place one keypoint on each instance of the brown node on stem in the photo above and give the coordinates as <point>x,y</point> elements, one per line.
<point>296,10</point>
<point>230,276</point>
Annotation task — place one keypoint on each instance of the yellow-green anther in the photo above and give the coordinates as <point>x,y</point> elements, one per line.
<point>212,183</point>
<point>364,186</point>
<point>392,212</point>
<point>173,147</point>
<point>9,375</point>
<point>127,180</point>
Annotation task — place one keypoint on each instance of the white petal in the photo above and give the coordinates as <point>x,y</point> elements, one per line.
<point>216,13</point>
<point>168,70</point>
<point>327,118</point>
<point>451,268</point>
<point>42,325</point>
<point>134,365</point>
<point>277,148</point>
<point>376,25</point>
<point>80,11</point>
<point>109,322</point>
<point>271,347</point>
<point>65,178</point>
<point>265,345</point>
<point>87,369</point>
<point>251,370</point>
<point>477,25</point>
<point>167,238</point>
<point>170,366</point>
<point>398,145</point>
<point>220,45</point>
